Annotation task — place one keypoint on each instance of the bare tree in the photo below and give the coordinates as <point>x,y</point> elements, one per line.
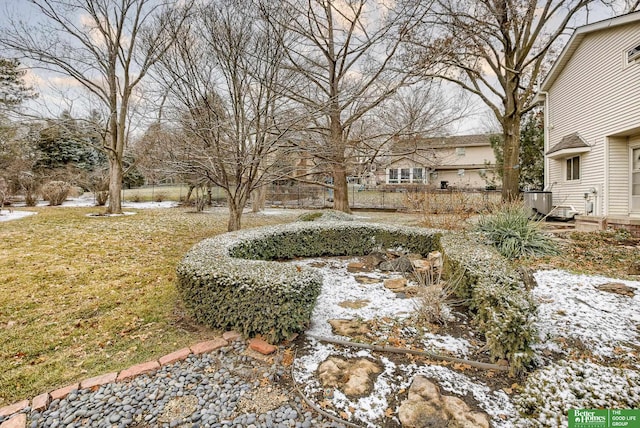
<point>222,77</point>
<point>346,61</point>
<point>497,50</point>
<point>105,46</point>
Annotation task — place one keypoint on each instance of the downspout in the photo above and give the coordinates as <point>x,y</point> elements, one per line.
<point>547,186</point>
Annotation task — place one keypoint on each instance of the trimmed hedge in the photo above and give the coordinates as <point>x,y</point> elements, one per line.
<point>228,281</point>
<point>505,310</point>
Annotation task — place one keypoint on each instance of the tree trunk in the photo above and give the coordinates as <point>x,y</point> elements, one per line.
<point>259,196</point>
<point>340,189</point>
<point>511,162</point>
<point>235,214</point>
<point>115,184</point>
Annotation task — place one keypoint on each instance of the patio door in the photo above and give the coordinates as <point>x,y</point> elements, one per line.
<point>635,180</point>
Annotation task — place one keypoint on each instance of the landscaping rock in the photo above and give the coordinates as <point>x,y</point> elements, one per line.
<point>374,259</point>
<point>617,288</point>
<point>354,304</point>
<point>395,284</point>
<point>363,279</point>
<point>349,328</point>
<point>401,264</point>
<point>427,407</point>
<point>357,267</point>
<point>261,346</point>
<point>352,377</point>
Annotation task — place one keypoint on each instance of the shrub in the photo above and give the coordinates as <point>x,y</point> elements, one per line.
<point>55,192</point>
<point>325,215</point>
<point>504,309</point>
<point>228,281</point>
<point>514,235</point>
<point>159,197</point>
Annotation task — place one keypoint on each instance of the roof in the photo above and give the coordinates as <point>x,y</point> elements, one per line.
<point>417,144</point>
<point>572,143</point>
<point>576,39</point>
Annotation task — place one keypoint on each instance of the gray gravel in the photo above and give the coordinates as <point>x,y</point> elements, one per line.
<point>202,391</point>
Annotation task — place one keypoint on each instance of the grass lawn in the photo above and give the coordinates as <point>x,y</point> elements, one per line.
<point>83,296</point>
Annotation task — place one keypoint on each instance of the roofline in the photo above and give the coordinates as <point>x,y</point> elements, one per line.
<point>576,38</point>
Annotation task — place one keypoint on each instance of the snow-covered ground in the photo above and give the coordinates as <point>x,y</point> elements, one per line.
<point>570,307</point>
<point>6,215</point>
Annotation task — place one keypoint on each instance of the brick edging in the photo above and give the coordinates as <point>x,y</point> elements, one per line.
<point>18,420</point>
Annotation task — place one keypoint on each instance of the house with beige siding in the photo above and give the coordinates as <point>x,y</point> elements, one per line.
<point>464,161</point>
<point>592,124</point>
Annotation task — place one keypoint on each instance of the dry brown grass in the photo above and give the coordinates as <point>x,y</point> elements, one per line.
<point>83,296</point>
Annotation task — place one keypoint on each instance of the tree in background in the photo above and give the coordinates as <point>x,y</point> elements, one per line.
<point>345,59</point>
<point>105,46</point>
<point>13,90</point>
<point>222,77</point>
<point>496,50</point>
<point>16,151</point>
<point>531,154</point>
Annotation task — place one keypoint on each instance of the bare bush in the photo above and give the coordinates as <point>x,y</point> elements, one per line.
<point>55,192</point>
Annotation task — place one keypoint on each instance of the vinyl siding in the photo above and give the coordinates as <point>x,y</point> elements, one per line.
<point>618,192</point>
<point>596,95</point>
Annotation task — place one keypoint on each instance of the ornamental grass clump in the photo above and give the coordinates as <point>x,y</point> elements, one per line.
<point>514,235</point>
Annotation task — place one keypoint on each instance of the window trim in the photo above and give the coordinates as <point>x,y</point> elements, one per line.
<point>394,180</point>
<point>569,172</point>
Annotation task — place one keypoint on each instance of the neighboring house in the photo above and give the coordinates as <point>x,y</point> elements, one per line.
<point>592,123</point>
<point>465,161</point>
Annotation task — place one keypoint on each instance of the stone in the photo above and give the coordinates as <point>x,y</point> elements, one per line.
<point>352,377</point>
<point>13,408</point>
<point>634,268</point>
<point>98,380</point>
<point>363,279</point>
<point>209,346</point>
<point>435,258</point>
<point>422,265</point>
<point>61,393</point>
<point>137,370</point>
<point>18,421</point>
<point>349,328</point>
<point>261,346</point>
<point>425,407</point>
<point>394,284</point>
<point>354,304</point>
<point>231,336</point>
<point>179,355</point>
<point>373,259</point>
<point>40,402</point>
<point>617,288</point>
<point>403,264</point>
<point>357,267</point>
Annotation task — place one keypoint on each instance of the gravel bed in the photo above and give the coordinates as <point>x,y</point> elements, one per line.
<point>202,391</point>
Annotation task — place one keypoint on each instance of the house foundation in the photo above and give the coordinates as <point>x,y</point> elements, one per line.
<point>591,223</point>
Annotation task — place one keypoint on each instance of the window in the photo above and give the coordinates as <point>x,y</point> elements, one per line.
<point>404,175</point>
<point>393,175</point>
<point>460,151</point>
<point>633,54</point>
<point>417,175</point>
<point>573,168</point>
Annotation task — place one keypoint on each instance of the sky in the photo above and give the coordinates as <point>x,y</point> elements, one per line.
<point>58,93</point>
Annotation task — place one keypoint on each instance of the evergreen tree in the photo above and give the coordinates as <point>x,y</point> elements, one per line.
<point>531,151</point>
<point>63,143</point>
<point>13,90</point>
